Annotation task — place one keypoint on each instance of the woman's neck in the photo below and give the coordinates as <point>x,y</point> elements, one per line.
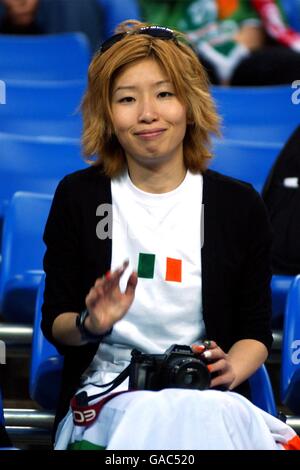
<point>157,179</point>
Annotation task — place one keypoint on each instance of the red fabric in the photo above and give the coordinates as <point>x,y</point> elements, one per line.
<point>274,22</point>
<point>293,444</point>
<point>87,415</point>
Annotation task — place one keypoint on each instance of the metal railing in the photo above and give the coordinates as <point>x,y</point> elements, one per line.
<point>27,427</point>
<point>16,334</point>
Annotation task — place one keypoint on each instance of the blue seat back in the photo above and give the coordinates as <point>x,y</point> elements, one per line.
<point>259,114</point>
<point>292,11</point>
<point>3,445</point>
<point>1,410</point>
<point>46,363</point>
<point>262,391</point>
<point>116,11</point>
<point>290,365</point>
<point>42,108</point>
<point>274,134</point>
<point>280,286</point>
<point>35,164</point>
<point>247,161</point>
<point>22,254</point>
<point>63,56</point>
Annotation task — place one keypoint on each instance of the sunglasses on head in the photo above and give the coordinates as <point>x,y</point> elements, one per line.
<point>155,31</point>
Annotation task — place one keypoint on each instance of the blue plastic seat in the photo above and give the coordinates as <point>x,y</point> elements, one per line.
<point>4,445</point>
<point>35,164</point>
<point>292,12</point>
<point>272,133</point>
<point>42,108</point>
<point>116,11</point>
<point>290,366</point>
<point>262,391</point>
<point>280,286</point>
<point>1,411</point>
<point>251,162</point>
<point>247,161</point>
<point>22,255</point>
<point>63,56</point>
<point>46,363</point>
<point>2,424</point>
<point>259,114</point>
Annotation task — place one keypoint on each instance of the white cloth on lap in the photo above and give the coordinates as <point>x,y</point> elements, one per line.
<point>178,419</point>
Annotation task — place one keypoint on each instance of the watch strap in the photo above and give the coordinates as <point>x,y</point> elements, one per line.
<point>86,335</point>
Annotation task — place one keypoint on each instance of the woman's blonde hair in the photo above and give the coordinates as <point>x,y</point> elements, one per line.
<point>188,76</point>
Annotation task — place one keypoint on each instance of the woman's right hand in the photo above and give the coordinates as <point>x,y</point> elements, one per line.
<point>106,303</point>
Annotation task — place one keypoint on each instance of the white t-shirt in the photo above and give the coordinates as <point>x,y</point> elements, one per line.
<point>161,236</point>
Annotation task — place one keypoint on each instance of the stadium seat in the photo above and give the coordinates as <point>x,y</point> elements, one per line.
<point>22,255</point>
<point>292,11</point>
<point>257,114</point>
<point>280,286</point>
<point>1,411</point>
<point>42,108</point>
<point>290,366</point>
<point>247,161</point>
<point>46,363</point>
<point>262,392</point>
<point>35,164</point>
<point>63,56</point>
<point>251,162</point>
<point>4,440</point>
<point>116,11</point>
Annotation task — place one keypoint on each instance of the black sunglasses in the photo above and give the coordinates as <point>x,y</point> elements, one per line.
<point>154,31</point>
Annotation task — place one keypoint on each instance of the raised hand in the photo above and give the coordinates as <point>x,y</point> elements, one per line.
<point>105,301</point>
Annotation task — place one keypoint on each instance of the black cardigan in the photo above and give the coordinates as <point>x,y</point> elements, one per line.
<point>235,263</point>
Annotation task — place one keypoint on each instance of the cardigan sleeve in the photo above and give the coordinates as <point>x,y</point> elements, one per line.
<point>62,261</point>
<point>254,296</point>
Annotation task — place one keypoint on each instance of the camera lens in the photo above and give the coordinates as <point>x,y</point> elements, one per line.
<point>191,377</point>
<point>187,373</point>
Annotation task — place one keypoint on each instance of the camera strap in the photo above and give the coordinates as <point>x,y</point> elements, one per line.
<point>82,398</point>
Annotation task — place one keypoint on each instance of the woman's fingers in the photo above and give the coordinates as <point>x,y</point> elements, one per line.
<point>111,278</point>
<point>217,362</point>
<point>222,372</point>
<point>218,366</point>
<point>131,284</point>
<point>209,344</point>
<point>214,354</point>
<point>224,379</point>
<point>107,287</point>
<point>93,296</point>
<point>198,348</point>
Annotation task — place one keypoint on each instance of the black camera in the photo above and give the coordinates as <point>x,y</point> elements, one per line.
<point>178,367</point>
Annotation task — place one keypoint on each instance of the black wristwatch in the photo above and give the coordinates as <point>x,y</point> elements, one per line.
<point>86,335</point>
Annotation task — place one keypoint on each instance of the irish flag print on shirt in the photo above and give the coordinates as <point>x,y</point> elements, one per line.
<point>146,267</point>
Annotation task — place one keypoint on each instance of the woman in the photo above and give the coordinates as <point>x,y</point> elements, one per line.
<point>145,201</point>
<point>20,17</point>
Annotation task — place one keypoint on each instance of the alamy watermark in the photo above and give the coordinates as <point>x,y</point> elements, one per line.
<point>2,352</point>
<point>158,226</point>
<point>2,92</point>
<point>296,94</point>
<point>296,353</point>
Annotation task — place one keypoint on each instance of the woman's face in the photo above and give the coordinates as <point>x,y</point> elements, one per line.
<point>21,11</point>
<point>148,118</point>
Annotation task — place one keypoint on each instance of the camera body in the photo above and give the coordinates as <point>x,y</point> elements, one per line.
<point>178,367</point>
